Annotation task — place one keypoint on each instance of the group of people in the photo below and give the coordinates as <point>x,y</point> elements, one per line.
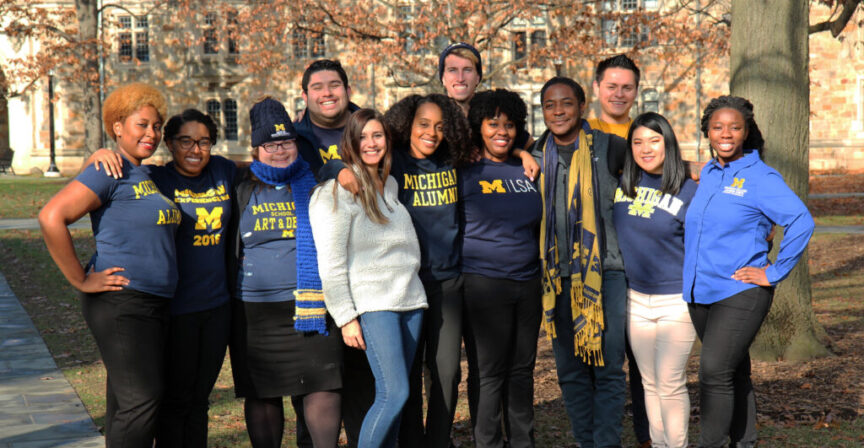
<point>358,251</point>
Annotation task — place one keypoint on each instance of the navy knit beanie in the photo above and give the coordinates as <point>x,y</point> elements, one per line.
<point>450,48</point>
<point>270,122</point>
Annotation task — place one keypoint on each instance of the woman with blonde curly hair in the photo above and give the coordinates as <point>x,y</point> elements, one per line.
<point>125,289</point>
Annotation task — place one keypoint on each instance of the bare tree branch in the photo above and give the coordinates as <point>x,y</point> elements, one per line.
<point>836,25</point>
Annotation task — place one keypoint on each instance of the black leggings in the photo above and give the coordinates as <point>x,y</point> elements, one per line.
<point>130,328</point>
<point>194,354</point>
<point>502,324</point>
<point>726,329</point>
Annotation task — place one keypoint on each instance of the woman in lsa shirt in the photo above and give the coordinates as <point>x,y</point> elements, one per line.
<point>501,267</point>
<point>728,281</point>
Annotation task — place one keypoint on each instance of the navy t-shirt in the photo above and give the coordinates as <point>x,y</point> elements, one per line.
<point>502,210</point>
<point>205,203</point>
<point>428,188</point>
<point>134,229</point>
<point>329,142</point>
<point>650,230</point>
<point>268,265</point>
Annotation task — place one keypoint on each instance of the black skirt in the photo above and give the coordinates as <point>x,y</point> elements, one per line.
<point>270,359</point>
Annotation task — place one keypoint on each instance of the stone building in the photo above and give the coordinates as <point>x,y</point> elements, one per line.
<point>198,64</point>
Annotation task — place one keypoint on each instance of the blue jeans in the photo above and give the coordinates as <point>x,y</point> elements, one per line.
<point>594,396</point>
<point>391,342</point>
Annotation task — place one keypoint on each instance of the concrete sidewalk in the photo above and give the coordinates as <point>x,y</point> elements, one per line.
<point>38,407</point>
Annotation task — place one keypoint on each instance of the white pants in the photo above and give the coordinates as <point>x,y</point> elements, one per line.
<point>661,336</point>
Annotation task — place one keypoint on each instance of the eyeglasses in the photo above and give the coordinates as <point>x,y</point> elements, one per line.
<point>186,143</point>
<point>275,146</point>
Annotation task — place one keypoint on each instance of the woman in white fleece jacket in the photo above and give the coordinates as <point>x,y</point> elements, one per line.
<point>368,259</point>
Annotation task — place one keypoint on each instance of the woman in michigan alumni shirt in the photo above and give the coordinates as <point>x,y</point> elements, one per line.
<point>431,136</point>
<point>127,286</point>
<point>728,281</point>
<point>501,267</point>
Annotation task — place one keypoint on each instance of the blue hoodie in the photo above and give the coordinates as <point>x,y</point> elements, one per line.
<point>727,223</point>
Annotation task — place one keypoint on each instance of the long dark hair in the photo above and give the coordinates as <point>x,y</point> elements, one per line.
<point>456,147</point>
<point>674,172</point>
<point>349,149</point>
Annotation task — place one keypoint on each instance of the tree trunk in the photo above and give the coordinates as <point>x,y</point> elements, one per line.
<point>89,52</point>
<point>769,66</point>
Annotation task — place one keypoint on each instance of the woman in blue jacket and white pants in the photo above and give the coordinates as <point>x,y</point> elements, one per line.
<point>728,280</point>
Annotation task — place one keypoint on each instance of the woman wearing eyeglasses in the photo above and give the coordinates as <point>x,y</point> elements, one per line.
<point>198,330</point>
<point>283,342</point>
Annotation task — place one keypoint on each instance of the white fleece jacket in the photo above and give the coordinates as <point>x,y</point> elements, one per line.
<point>365,266</point>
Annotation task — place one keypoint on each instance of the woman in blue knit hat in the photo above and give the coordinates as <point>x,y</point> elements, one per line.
<point>283,342</point>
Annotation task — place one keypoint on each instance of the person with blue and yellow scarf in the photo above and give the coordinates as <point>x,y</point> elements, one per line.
<point>584,289</point>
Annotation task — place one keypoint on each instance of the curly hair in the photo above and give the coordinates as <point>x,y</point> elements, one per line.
<point>491,103</point>
<point>126,100</point>
<point>745,107</point>
<point>456,148</point>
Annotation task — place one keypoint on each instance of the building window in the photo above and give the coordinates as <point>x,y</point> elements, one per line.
<point>617,27</point>
<point>650,101</point>
<point>538,126</point>
<point>211,37</point>
<point>224,113</point>
<point>133,39</point>
<point>301,46</point>
<point>233,46</point>
<point>214,110</point>
<point>316,45</point>
<point>520,45</point>
<point>230,119</point>
<point>408,15</point>
<point>538,42</point>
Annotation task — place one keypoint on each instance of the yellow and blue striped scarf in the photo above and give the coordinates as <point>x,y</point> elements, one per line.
<point>310,315</point>
<point>584,243</point>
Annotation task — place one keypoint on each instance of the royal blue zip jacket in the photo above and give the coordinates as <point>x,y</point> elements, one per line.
<point>727,223</point>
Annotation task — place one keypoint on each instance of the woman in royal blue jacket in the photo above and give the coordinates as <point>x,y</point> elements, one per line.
<point>728,280</point>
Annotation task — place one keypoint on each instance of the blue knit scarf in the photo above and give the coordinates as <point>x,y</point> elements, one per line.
<point>310,314</point>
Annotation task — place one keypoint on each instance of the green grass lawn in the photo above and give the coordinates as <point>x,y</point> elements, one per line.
<point>51,302</point>
<point>22,197</point>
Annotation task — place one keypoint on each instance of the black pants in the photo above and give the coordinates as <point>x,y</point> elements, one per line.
<point>130,328</point>
<point>502,324</point>
<point>726,329</point>
<point>193,357</point>
<point>637,396</point>
<point>441,347</point>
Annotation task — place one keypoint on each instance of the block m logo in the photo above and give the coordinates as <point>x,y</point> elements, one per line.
<point>496,186</point>
<point>279,127</point>
<point>331,153</point>
<point>213,219</point>
<point>738,183</point>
